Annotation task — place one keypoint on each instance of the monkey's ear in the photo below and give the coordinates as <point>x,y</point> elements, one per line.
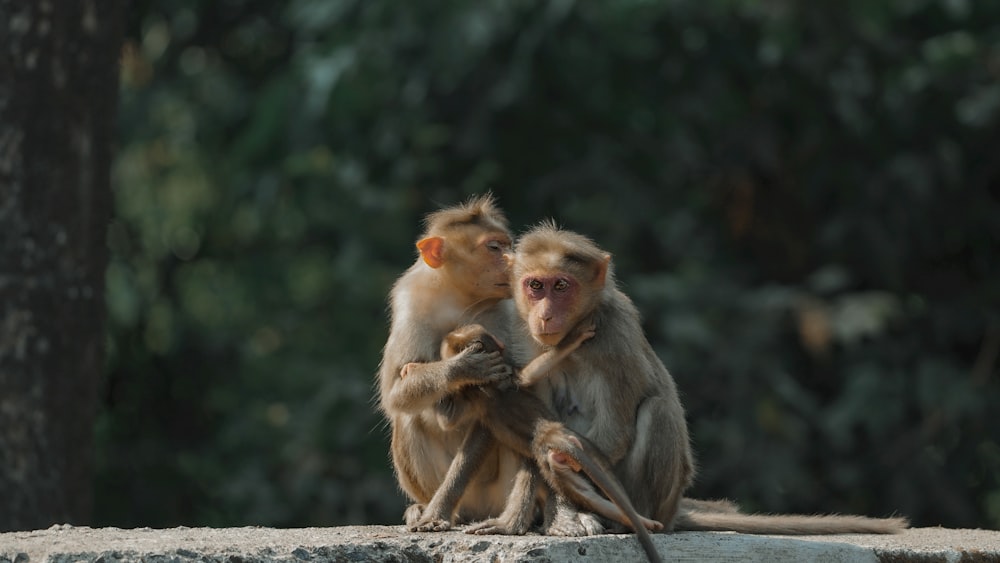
<point>432,251</point>
<point>602,270</point>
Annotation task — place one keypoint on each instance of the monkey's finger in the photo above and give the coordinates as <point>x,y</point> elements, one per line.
<point>496,366</point>
<point>483,358</point>
<point>500,373</point>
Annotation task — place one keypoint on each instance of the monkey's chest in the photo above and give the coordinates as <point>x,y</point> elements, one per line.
<point>570,405</point>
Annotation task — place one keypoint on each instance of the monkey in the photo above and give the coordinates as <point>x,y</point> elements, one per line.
<point>460,276</point>
<point>617,393</point>
<point>524,423</point>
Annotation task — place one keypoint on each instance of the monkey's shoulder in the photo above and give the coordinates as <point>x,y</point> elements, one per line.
<point>497,317</point>
<point>421,298</point>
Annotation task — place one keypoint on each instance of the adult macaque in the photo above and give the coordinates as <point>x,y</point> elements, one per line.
<point>522,422</point>
<point>460,277</point>
<point>616,392</point>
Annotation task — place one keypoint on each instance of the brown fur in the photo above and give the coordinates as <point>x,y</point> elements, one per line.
<point>460,277</point>
<point>617,393</point>
<point>523,423</point>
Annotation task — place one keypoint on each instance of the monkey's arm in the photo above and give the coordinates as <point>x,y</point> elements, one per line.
<point>545,362</point>
<point>417,386</point>
<point>519,512</point>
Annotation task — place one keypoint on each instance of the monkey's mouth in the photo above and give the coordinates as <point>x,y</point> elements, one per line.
<point>547,338</point>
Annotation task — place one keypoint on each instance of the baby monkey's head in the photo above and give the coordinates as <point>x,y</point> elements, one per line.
<point>472,336</point>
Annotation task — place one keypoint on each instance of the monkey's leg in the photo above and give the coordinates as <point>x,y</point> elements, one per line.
<point>412,514</point>
<point>658,466</point>
<point>512,418</point>
<point>519,513</point>
<point>564,466</point>
<point>563,518</point>
<point>437,515</point>
<point>572,459</point>
<point>562,455</point>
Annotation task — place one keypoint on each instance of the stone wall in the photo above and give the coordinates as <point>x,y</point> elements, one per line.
<point>393,543</point>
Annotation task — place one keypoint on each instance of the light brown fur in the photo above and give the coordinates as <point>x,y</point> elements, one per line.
<point>460,277</point>
<point>617,393</point>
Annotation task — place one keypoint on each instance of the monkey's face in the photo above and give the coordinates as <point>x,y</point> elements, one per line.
<point>551,301</point>
<point>559,278</point>
<point>480,266</point>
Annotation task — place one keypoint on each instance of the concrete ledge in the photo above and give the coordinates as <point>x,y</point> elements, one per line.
<point>63,544</point>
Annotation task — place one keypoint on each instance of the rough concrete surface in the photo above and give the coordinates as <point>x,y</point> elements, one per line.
<point>394,543</point>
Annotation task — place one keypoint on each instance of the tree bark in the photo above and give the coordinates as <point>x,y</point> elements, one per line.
<point>58,99</point>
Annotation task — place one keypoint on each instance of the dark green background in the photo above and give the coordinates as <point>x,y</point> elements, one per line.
<point>802,198</point>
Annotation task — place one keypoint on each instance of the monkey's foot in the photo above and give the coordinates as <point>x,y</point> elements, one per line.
<point>575,524</point>
<point>413,514</point>
<point>497,526</point>
<point>419,519</point>
<point>431,525</point>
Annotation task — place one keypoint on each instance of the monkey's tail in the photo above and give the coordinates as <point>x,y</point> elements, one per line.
<point>605,480</point>
<point>788,524</point>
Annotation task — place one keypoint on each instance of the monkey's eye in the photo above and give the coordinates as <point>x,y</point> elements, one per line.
<point>560,285</point>
<point>494,245</point>
<point>535,285</point>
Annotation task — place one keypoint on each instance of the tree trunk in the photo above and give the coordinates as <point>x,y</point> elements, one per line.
<point>58,99</point>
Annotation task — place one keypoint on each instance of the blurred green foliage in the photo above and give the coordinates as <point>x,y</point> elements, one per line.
<point>802,198</point>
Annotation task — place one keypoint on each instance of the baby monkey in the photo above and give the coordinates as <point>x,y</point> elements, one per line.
<point>525,424</point>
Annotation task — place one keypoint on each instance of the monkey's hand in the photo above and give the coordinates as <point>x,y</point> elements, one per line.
<point>407,368</point>
<point>542,366</point>
<point>582,335</point>
<point>420,519</point>
<point>471,367</point>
